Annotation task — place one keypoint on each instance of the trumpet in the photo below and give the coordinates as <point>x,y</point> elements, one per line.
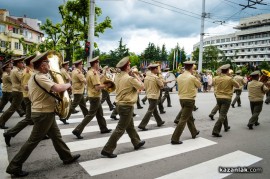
<point>265,76</point>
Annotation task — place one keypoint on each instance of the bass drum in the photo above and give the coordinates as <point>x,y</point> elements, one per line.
<point>168,76</point>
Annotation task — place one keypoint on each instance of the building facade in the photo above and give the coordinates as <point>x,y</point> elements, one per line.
<point>12,29</point>
<point>249,44</point>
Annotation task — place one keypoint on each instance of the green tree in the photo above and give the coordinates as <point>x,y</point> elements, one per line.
<point>210,57</point>
<point>264,66</point>
<point>117,54</point>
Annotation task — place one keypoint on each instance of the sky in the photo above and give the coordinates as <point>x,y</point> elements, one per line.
<point>139,22</point>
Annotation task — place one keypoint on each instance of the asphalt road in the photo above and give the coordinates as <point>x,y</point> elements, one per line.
<point>195,158</point>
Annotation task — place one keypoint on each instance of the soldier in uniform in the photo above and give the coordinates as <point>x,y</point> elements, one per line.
<point>152,84</point>
<point>94,87</point>
<point>78,84</point>
<point>187,90</point>
<point>17,96</point>
<point>43,116</point>
<point>106,94</point>
<point>27,72</point>
<point>224,85</point>
<point>166,92</point>
<point>7,88</point>
<point>240,80</point>
<point>65,73</point>
<point>126,97</point>
<point>256,92</point>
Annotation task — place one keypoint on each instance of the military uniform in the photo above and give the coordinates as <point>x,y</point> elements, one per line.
<point>160,104</point>
<point>16,77</point>
<point>256,92</point>
<point>216,108</point>
<point>238,91</point>
<point>166,93</point>
<point>27,72</point>
<point>78,84</point>
<point>187,90</point>
<point>126,97</point>
<point>43,115</point>
<point>224,91</point>
<point>106,94</point>
<point>93,79</point>
<point>65,74</point>
<point>152,84</point>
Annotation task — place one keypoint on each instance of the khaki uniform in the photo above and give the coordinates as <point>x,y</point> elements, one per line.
<point>223,90</point>
<point>126,97</point>
<point>77,90</point>
<point>152,84</point>
<point>105,94</point>
<point>240,80</point>
<point>160,104</point>
<point>216,108</point>
<point>187,90</point>
<point>93,79</point>
<point>27,72</point>
<point>256,92</point>
<point>44,123</point>
<point>65,75</point>
<point>6,90</point>
<point>16,77</point>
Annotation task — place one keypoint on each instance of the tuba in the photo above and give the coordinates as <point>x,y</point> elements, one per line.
<point>55,61</point>
<point>265,76</point>
<point>109,80</point>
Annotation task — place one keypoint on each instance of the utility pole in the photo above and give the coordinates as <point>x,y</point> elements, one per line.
<point>201,36</point>
<point>91,30</point>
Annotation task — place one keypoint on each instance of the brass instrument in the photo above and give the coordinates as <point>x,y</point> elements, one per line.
<point>109,81</point>
<point>265,76</point>
<point>55,62</point>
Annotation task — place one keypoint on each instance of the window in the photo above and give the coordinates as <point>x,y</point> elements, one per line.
<point>261,56</point>
<point>242,50</point>
<point>218,41</point>
<point>233,38</point>
<point>243,44</point>
<point>222,40</point>
<point>30,36</point>
<point>255,42</point>
<point>212,41</point>
<point>227,39</point>
<point>248,50</point>
<point>248,56</point>
<point>15,30</point>
<point>17,45</point>
<point>249,43</point>
<point>255,49</point>
<point>254,56</point>
<point>236,44</point>
<point>3,44</point>
<point>2,28</point>
<point>262,49</point>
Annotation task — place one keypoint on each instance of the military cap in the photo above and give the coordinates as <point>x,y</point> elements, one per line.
<point>255,73</point>
<point>189,62</point>
<point>224,67</point>
<point>28,59</point>
<point>39,56</point>
<point>9,61</point>
<point>135,66</point>
<point>77,62</point>
<point>4,65</point>
<point>19,59</point>
<point>106,67</point>
<point>153,65</point>
<point>65,62</point>
<point>122,62</point>
<point>94,59</point>
<point>238,71</point>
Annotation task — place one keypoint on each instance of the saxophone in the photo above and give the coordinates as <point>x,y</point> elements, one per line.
<point>55,62</point>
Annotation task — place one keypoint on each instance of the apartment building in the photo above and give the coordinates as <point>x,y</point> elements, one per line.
<point>12,29</point>
<point>249,44</point>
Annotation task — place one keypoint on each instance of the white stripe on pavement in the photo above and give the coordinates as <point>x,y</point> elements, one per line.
<point>100,142</point>
<point>209,169</point>
<point>81,114</point>
<point>96,128</point>
<point>4,157</point>
<point>105,165</point>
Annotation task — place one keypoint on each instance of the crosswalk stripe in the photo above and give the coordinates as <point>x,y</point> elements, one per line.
<point>4,157</point>
<point>103,107</point>
<point>105,165</point>
<point>100,142</point>
<point>81,114</point>
<point>209,169</point>
<point>96,128</point>
<point>79,119</point>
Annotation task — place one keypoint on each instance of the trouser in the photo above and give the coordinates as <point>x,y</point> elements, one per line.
<point>114,112</point>
<point>144,99</point>
<point>237,97</point>
<point>106,97</point>
<point>15,104</point>
<point>23,123</point>
<point>267,100</point>
<point>160,105</point>
<point>44,123</point>
<point>125,124</point>
<point>152,109</point>
<point>138,101</point>
<point>78,100</point>
<point>7,97</point>
<point>214,110</point>
<point>95,110</point>
<point>166,96</point>
<point>256,108</point>
<point>224,105</point>
<point>186,118</point>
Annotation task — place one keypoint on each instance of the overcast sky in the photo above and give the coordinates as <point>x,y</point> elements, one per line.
<point>139,22</point>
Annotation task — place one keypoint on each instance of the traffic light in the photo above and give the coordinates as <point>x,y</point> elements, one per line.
<point>87,49</point>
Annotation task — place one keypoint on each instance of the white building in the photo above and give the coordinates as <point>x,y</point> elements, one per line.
<point>250,43</point>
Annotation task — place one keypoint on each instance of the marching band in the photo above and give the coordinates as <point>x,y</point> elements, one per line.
<point>35,85</point>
